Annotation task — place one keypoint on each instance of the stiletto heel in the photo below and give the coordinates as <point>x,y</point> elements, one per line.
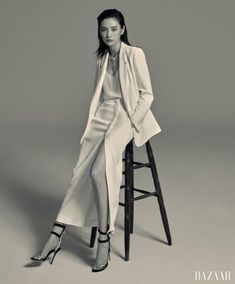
<point>100,268</point>
<point>55,252</point>
<point>56,249</point>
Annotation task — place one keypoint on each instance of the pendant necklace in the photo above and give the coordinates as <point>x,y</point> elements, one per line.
<point>114,62</point>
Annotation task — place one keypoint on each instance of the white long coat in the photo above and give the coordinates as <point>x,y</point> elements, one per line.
<point>78,207</point>
<point>136,90</point>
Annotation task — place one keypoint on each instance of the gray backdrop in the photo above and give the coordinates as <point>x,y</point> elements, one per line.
<point>47,67</point>
<point>47,59</point>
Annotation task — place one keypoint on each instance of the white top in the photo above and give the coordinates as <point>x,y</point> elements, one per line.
<point>111,86</point>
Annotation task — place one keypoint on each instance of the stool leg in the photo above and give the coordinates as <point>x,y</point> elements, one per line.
<point>93,236</point>
<point>131,174</point>
<point>127,200</point>
<point>159,192</point>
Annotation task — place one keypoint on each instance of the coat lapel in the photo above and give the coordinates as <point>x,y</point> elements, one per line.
<point>100,79</point>
<point>122,76</point>
<point>102,63</point>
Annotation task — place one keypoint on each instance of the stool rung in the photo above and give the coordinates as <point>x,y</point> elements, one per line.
<point>145,196</point>
<point>141,190</point>
<point>141,165</point>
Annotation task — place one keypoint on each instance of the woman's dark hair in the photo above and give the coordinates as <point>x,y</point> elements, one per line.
<point>110,13</point>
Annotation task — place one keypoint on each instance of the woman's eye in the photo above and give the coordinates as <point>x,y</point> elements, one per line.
<point>105,30</point>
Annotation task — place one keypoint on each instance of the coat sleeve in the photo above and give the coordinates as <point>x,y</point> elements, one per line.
<point>145,88</point>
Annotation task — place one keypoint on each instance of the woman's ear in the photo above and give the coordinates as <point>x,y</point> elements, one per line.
<point>123,30</point>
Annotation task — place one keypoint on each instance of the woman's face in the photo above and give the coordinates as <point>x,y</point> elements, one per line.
<point>110,31</point>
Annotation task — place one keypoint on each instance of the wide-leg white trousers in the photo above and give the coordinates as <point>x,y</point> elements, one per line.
<point>111,126</point>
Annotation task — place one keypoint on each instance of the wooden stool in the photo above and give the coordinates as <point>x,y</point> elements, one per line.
<point>130,166</point>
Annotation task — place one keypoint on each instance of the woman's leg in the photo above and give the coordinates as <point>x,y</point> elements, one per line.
<point>101,196</point>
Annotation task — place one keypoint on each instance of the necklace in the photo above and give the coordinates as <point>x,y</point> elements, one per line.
<point>113,58</point>
<point>114,62</point>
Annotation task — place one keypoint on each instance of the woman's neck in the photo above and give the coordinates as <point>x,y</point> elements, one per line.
<point>113,50</point>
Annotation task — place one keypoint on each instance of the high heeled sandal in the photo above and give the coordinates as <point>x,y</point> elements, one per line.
<point>56,249</point>
<point>100,268</point>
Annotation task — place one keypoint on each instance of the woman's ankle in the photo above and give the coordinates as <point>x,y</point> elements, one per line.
<point>59,229</point>
<point>103,237</point>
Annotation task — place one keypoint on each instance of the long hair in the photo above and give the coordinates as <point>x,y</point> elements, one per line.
<point>114,13</point>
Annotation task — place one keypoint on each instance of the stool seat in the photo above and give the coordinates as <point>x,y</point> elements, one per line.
<point>130,166</point>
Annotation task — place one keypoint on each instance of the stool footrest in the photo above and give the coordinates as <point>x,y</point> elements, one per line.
<point>141,165</point>
<point>145,195</point>
<point>143,191</point>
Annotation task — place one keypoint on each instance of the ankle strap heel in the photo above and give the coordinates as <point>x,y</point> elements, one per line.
<point>97,269</point>
<point>56,249</point>
<point>107,240</point>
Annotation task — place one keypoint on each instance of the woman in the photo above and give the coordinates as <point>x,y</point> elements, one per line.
<point>119,111</point>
